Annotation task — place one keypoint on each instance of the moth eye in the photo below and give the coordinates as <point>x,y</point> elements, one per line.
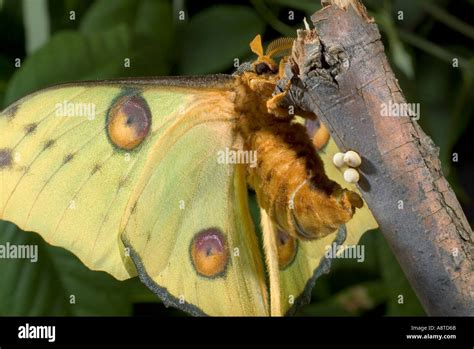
<point>287,247</point>
<point>262,68</point>
<point>209,253</point>
<point>129,122</point>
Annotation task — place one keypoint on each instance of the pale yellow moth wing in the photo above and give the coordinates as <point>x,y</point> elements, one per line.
<point>291,282</point>
<point>63,176</point>
<point>187,223</point>
<point>294,264</point>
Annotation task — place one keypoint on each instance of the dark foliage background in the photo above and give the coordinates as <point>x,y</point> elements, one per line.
<point>54,47</point>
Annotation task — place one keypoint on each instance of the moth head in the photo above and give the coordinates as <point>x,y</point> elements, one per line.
<point>265,62</point>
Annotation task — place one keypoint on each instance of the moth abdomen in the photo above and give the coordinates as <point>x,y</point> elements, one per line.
<point>291,183</point>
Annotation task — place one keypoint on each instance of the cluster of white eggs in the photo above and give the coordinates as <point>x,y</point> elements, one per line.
<point>350,159</point>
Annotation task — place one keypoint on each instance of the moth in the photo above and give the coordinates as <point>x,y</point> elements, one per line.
<point>129,176</point>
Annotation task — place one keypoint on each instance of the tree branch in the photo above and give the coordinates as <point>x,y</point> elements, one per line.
<point>340,72</point>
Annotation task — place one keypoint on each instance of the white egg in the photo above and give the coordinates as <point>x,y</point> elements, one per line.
<point>338,159</point>
<point>351,175</point>
<point>352,159</point>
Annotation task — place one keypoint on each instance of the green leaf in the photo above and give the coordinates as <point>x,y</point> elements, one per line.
<point>71,56</point>
<point>215,37</point>
<point>36,22</point>
<point>149,18</point>
<point>400,56</point>
<point>6,69</point>
<point>308,6</point>
<point>106,14</point>
<point>448,19</point>
<point>153,38</point>
<point>412,12</point>
<point>396,284</point>
<point>151,32</point>
<point>272,19</point>
<point>46,287</point>
<point>436,113</point>
<point>154,19</point>
<point>354,300</point>
<point>350,271</point>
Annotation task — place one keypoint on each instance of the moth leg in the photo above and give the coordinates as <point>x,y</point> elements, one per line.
<point>281,67</point>
<point>274,103</point>
<point>321,137</point>
<point>261,86</point>
<point>274,107</point>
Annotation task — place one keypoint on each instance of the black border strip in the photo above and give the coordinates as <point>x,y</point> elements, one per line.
<point>167,298</point>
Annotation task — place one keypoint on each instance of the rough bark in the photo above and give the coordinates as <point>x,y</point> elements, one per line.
<point>340,72</point>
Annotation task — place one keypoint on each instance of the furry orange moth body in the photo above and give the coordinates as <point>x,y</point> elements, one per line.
<point>289,180</point>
